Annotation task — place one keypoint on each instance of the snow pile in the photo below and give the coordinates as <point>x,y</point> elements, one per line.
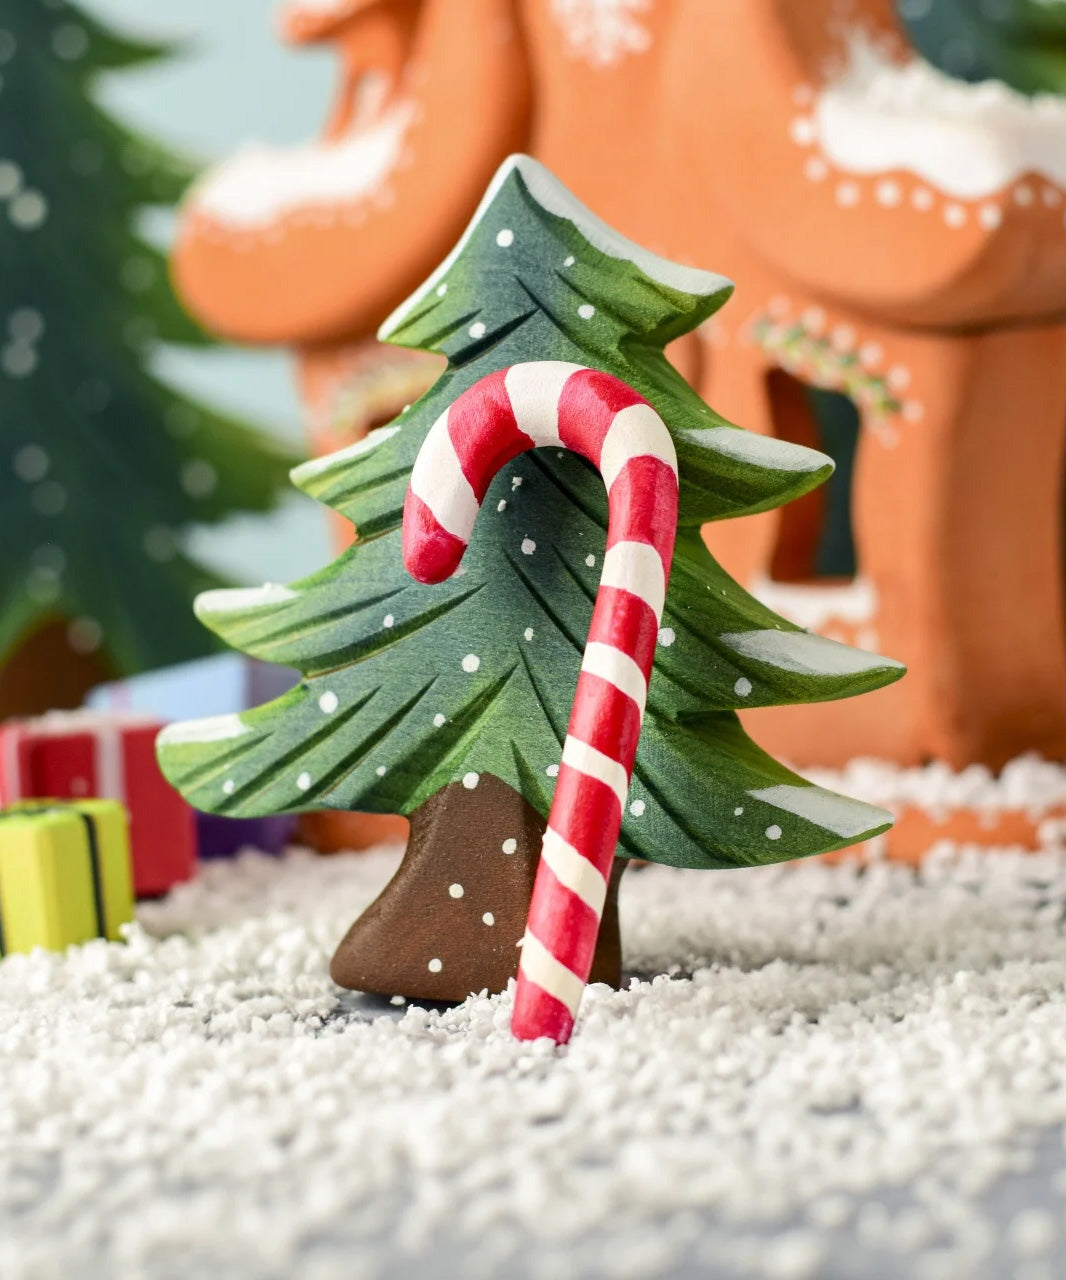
<point>837,1068</point>
<point>968,140</point>
<point>1029,784</point>
<point>263,184</point>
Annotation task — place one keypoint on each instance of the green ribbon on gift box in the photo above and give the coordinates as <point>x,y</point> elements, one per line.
<point>94,859</point>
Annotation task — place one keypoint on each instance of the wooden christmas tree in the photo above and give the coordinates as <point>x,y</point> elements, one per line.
<point>450,702</point>
<point>104,465</point>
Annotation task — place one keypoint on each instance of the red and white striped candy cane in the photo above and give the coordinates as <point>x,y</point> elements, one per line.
<point>530,406</point>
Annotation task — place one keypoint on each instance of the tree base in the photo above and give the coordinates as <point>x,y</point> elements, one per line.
<point>450,920</point>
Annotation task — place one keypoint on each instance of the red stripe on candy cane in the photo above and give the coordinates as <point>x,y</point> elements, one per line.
<point>594,414</point>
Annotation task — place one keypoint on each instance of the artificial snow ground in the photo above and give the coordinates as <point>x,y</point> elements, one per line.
<point>817,1072</point>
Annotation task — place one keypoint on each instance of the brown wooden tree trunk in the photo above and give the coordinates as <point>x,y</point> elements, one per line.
<point>450,920</point>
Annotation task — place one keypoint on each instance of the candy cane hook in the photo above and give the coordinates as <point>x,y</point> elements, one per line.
<point>530,406</point>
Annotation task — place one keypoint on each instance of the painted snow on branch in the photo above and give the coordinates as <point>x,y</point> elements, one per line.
<point>966,140</point>
<point>262,184</point>
<point>556,199</point>
<point>602,32</point>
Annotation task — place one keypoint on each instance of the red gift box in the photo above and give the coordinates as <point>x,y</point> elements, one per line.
<point>110,756</point>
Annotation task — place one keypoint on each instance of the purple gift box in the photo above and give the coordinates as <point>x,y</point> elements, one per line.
<point>221,837</point>
<point>219,685</point>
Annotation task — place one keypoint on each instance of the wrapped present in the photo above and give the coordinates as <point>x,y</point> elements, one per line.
<point>222,837</point>
<point>214,686</point>
<point>65,873</point>
<point>74,755</point>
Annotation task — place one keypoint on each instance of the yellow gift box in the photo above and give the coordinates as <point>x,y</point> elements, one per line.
<point>65,873</point>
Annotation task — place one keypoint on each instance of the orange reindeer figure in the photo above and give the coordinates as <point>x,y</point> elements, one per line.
<point>896,236</point>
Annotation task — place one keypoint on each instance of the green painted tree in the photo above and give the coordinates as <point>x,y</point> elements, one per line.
<point>1020,41</point>
<point>411,690</point>
<point>103,466</point>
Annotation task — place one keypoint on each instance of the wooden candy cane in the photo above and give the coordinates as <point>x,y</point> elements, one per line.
<point>530,406</point>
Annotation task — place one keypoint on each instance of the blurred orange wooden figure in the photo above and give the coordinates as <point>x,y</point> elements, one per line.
<point>897,237</point>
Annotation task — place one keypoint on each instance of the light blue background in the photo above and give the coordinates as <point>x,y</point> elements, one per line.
<point>232,82</point>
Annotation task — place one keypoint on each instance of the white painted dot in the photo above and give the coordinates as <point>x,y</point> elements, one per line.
<point>802,131</point>
<point>955,215</point>
<point>590,561</point>
<point>228,787</point>
<point>773,833</point>
<point>18,360</point>
<point>439,720</point>
<point>871,353</point>
<point>922,199</point>
<point>814,320</point>
<point>586,311</point>
<point>477,330</point>
<point>304,781</point>
<point>505,238</point>
<point>470,780</point>
<point>28,210</point>
<point>848,195</point>
<point>528,633</point>
<point>738,810</point>
<point>637,808</point>
<point>199,478</point>
<point>85,635</point>
<point>471,663</point>
<point>569,262</point>
<point>742,687</point>
<point>501,505</point>
<point>31,463</point>
<point>914,411</point>
<point>990,217</point>
<point>552,771</point>
<point>667,636</point>
<point>516,483</point>
<point>70,42</point>
<point>899,377</point>
<point>843,338</point>
<point>816,169</point>
<point>25,324</point>
<point>455,890</point>
<point>488,918</point>
<point>1023,195</point>
<point>528,546</point>
<point>510,845</point>
<point>889,193</point>
<point>388,621</point>
<point>381,771</point>
<point>328,702</point>
<point>435,965</point>
<point>442,289</point>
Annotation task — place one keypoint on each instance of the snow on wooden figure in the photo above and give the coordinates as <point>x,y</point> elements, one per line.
<point>450,702</point>
<point>531,406</point>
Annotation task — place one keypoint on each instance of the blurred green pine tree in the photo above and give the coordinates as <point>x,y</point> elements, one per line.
<point>102,466</point>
